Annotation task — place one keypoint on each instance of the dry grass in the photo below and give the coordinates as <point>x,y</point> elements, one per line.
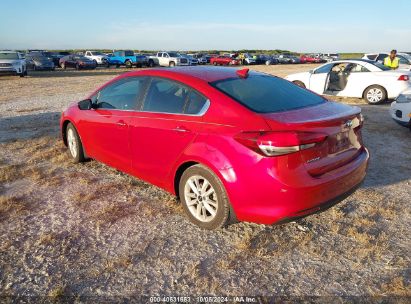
<point>10,173</point>
<point>396,287</point>
<point>11,206</point>
<point>119,263</point>
<point>57,293</point>
<point>47,239</point>
<point>30,110</point>
<point>110,214</point>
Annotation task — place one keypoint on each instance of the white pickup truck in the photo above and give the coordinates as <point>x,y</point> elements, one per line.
<point>167,59</point>
<point>96,56</point>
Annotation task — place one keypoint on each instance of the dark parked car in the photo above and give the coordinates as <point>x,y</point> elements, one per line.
<point>37,61</point>
<point>56,56</point>
<point>77,61</point>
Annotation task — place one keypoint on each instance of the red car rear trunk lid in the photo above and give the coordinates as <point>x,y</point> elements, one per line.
<point>342,125</point>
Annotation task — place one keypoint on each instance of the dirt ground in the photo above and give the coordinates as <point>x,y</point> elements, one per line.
<point>88,231</point>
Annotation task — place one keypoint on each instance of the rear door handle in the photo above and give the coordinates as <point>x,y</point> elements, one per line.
<point>181,129</point>
<point>121,123</point>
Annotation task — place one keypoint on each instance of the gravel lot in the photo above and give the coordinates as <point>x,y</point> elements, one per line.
<point>87,230</point>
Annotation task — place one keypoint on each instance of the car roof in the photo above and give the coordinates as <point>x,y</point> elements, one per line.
<point>354,60</point>
<point>207,74</point>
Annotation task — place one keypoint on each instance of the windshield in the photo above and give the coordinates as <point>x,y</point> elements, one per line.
<point>96,53</point>
<point>81,58</point>
<point>9,56</point>
<point>267,94</point>
<point>173,55</point>
<point>128,53</point>
<point>37,56</point>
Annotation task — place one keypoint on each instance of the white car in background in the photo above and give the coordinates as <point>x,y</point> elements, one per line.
<point>355,78</point>
<point>97,57</point>
<point>12,63</point>
<point>405,59</point>
<point>401,109</point>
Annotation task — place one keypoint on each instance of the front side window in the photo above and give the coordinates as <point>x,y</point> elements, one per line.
<point>267,94</point>
<point>121,95</point>
<point>381,57</point>
<point>324,69</point>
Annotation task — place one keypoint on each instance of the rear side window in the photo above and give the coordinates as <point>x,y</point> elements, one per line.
<point>121,95</point>
<point>195,103</point>
<point>167,96</point>
<point>267,94</point>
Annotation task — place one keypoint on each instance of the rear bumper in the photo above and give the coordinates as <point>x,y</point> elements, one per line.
<point>267,199</point>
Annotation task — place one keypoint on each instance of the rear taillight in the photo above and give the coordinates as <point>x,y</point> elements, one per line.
<point>279,143</point>
<point>404,78</point>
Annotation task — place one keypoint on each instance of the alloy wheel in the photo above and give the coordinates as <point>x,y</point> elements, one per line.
<point>201,198</point>
<point>72,142</point>
<point>374,95</point>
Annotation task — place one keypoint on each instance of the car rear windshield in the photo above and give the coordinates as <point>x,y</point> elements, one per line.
<point>267,94</point>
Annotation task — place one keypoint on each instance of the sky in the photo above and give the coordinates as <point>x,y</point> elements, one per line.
<point>298,25</point>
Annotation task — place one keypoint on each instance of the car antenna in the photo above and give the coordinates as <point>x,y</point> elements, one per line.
<point>243,73</point>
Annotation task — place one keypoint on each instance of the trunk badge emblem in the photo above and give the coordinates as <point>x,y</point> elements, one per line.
<point>348,124</point>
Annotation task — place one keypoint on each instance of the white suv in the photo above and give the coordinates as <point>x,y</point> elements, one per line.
<point>12,63</point>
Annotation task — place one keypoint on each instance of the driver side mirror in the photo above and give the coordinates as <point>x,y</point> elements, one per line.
<point>311,71</point>
<point>85,104</point>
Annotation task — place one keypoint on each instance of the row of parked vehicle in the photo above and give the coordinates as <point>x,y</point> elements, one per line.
<point>20,62</point>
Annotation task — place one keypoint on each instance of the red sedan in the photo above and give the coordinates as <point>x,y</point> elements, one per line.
<point>310,59</point>
<point>231,144</point>
<point>224,60</point>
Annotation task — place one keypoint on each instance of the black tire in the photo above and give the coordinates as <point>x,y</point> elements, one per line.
<point>77,66</point>
<point>95,61</point>
<point>375,94</point>
<point>222,217</point>
<point>172,64</point>
<point>151,63</point>
<point>299,83</point>
<point>129,64</point>
<point>117,66</point>
<point>79,157</point>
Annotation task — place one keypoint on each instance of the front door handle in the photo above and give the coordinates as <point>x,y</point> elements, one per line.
<point>181,130</point>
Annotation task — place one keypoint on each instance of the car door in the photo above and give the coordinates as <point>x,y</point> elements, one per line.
<point>70,62</point>
<point>319,78</point>
<point>358,78</point>
<point>106,126</point>
<point>168,122</point>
